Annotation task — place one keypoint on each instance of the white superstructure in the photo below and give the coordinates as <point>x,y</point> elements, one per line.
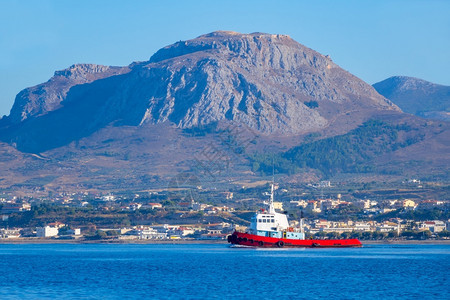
<point>269,222</point>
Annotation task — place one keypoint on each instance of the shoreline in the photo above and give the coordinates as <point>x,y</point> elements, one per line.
<point>109,242</point>
<point>406,242</point>
<point>19,241</point>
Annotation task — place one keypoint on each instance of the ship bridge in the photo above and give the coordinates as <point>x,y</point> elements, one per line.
<point>268,223</point>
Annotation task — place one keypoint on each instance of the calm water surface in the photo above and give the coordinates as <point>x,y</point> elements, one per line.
<point>219,272</point>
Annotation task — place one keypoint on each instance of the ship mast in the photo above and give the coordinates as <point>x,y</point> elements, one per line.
<point>301,222</point>
<point>271,208</point>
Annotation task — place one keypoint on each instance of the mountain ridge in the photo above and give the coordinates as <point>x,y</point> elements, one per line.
<point>211,101</point>
<point>269,83</point>
<point>46,97</point>
<point>417,96</point>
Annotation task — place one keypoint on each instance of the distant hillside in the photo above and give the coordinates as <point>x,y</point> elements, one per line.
<point>417,96</point>
<point>361,150</point>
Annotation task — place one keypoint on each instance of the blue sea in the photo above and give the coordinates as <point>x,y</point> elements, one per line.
<point>97,271</point>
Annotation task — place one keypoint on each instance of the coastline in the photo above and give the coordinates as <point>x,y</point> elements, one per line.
<point>204,242</point>
<point>406,242</point>
<point>119,242</point>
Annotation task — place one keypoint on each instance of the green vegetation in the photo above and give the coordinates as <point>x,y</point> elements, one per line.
<point>39,181</point>
<point>201,130</point>
<point>102,217</point>
<point>311,104</point>
<point>377,235</point>
<point>45,213</point>
<point>349,153</point>
<point>416,215</point>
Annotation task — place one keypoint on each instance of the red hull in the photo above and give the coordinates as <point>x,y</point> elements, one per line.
<point>246,239</point>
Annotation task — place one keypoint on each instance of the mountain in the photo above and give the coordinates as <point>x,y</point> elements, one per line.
<point>417,96</point>
<point>210,106</point>
<point>46,97</point>
<point>269,83</point>
<point>390,145</point>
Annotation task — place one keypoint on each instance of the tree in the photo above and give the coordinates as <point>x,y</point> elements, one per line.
<point>100,234</point>
<point>332,235</point>
<point>443,233</point>
<point>366,235</point>
<point>112,233</point>
<point>356,234</point>
<point>375,235</point>
<point>320,234</point>
<point>312,104</point>
<point>392,234</point>
<point>346,235</point>
<point>408,234</point>
<point>63,230</point>
<point>425,234</point>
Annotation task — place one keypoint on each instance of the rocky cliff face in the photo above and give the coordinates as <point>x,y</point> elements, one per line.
<point>417,96</point>
<point>269,83</point>
<point>46,97</point>
<point>264,81</point>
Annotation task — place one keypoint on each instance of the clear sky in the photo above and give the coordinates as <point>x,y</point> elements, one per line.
<point>372,39</point>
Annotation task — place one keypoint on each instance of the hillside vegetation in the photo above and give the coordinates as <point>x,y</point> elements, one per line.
<point>349,153</point>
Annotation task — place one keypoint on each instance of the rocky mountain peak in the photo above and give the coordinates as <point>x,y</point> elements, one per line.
<point>82,71</point>
<point>275,50</point>
<point>46,97</point>
<point>404,83</point>
<point>267,82</point>
<point>262,80</point>
<point>417,96</point>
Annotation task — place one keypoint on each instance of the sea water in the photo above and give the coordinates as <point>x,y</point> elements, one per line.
<point>98,271</point>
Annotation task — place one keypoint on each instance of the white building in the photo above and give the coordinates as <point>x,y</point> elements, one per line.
<point>108,198</point>
<point>278,205</point>
<point>153,205</point>
<point>9,233</point>
<point>324,183</point>
<point>46,231</point>
<point>301,203</point>
<point>386,228</point>
<point>199,206</point>
<point>364,204</point>
<point>433,226</point>
<point>361,226</point>
<point>180,231</point>
<point>146,233</point>
<point>313,206</point>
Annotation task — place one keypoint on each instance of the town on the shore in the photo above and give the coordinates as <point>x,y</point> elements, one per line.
<point>207,214</point>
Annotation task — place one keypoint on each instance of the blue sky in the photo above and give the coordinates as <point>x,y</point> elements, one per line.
<point>372,39</point>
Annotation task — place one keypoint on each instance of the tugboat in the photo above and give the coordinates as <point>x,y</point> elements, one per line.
<point>270,229</point>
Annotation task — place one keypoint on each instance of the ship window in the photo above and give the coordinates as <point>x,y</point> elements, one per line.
<point>273,221</point>
<point>264,220</point>
<point>259,220</point>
